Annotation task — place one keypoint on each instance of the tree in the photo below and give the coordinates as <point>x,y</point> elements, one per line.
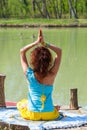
<point>73,12</point>
<point>44,9</point>
<point>25,11</point>
<point>61,3</point>
<point>33,6</point>
<point>3,7</point>
<point>41,6</point>
<point>75,6</point>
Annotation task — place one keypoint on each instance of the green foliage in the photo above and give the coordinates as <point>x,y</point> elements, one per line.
<point>53,8</point>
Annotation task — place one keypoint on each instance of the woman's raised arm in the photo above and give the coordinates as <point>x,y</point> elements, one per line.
<point>23,51</point>
<point>57,60</point>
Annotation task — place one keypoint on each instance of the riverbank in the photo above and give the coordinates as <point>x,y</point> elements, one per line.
<point>43,23</point>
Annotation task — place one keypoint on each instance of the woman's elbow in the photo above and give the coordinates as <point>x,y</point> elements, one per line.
<point>21,51</point>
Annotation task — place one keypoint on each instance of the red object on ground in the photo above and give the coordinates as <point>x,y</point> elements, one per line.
<point>9,103</point>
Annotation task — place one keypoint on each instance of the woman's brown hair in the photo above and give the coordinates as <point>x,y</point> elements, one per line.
<point>41,60</point>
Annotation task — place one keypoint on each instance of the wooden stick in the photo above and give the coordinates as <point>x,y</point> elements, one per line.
<point>2,95</point>
<point>73,99</point>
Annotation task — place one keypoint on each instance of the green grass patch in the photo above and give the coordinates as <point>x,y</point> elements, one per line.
<point>41,21</point>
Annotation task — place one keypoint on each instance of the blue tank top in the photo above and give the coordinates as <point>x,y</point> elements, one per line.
<point>36,90</point>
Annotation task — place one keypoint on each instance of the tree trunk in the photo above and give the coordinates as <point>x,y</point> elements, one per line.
<point>72,10</point>
<point>44,9</point>
<point>39,8</point>
<point>25,2</point>
<point>33,6</point>
<point>61,8</point>
<point>75,6</point>
<point>57,10</point>
<point>54,7</point>
<point>52,3</point>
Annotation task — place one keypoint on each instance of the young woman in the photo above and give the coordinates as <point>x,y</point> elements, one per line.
<point>40,73</point>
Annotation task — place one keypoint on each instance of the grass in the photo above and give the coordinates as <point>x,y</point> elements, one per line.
<point>40,21</point>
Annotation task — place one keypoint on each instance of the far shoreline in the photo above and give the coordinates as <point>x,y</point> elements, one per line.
<point>40,22</point>
<point>43,25</point>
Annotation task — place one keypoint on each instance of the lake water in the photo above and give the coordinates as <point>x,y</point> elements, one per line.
<point>73,68</point>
